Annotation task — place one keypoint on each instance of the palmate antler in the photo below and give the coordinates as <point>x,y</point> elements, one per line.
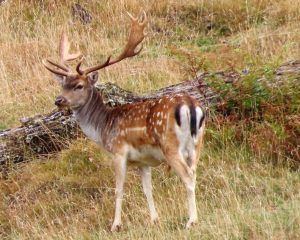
<point>135,38</point>
<point>65,56</point>
<point>64,49</point>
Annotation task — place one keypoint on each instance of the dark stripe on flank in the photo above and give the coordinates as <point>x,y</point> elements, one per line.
<point>177,115</point>
<point>193,123</point>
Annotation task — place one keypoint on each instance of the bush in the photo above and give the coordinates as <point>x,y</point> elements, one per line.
<point>264,114</point>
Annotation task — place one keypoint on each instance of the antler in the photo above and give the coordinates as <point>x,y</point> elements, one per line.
<point>64,48</point>
<point>135,38</point>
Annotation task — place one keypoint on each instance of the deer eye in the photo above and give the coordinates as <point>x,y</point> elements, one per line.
<point>78,87</point>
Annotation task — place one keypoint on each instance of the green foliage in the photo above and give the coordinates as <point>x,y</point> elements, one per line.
<point>2,126</point>
<point>264,113</point>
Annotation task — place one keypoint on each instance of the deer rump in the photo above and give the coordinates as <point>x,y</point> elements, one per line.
<point>186,121</point>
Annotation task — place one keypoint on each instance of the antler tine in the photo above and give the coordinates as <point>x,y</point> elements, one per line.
<point>56,71</point>
<point>62,67</point>
<point>64,48</point>
<point>94,68</point>
<point>136,36</point>
<point>78,70</point>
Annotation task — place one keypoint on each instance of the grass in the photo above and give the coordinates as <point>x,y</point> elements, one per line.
<point>72,196</point>
<point>246,187</point>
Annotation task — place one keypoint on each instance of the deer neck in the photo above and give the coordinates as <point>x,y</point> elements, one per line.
<point>96,119</point>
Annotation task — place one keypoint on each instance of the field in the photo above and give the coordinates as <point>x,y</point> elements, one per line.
<point>248,176</point>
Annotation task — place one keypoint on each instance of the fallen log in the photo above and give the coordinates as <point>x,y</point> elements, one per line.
<point>45,134</point>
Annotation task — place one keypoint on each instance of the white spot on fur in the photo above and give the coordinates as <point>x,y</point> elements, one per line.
<point>137,129</point>
<point>199,114</point>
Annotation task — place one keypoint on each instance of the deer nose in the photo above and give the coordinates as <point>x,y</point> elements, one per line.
<point>59,101</point>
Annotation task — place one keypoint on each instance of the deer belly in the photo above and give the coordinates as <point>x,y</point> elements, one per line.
<point>145,155</point>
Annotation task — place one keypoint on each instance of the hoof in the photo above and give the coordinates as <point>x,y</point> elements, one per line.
<point>116,227</point>
<point>191,223</point>
<point>155,221</point>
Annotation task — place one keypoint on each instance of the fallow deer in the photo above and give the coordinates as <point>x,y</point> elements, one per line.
<point>142,134</point>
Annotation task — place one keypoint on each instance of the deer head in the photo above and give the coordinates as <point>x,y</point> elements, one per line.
<point>77,86</point>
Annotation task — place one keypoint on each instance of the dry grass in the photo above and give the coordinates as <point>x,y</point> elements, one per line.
<point>243,35</point>
<point>70,196</point>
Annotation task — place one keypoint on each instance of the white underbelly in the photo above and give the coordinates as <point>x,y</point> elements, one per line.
<point>145,155</point>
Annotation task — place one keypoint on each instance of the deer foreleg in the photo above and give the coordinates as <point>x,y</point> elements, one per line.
<point>147,187</point>
<point>120,163</point>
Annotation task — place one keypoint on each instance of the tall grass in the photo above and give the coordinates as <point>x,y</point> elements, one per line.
<point>72,197</point>
<point>258,33</point>
<point>244,191</point>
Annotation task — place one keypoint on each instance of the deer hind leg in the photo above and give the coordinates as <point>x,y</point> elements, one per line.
<point>147,188</point>
<point>188,176</point>
<point>120,163</point>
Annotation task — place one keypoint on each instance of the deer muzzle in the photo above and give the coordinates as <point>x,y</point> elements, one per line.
<point>60,101</point>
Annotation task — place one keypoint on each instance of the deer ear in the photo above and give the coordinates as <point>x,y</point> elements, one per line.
<point>93,77</point>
